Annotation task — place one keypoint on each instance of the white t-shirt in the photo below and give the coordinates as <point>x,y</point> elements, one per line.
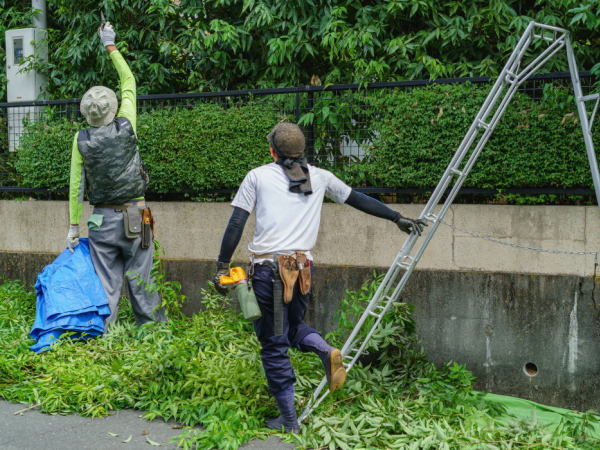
<point>286,221</point>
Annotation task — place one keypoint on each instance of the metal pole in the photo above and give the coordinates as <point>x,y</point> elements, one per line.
<point>310,141</point>
<point>297,107</point>
<point>583,118</point>
<point>488,104</point>
<point>39,19</point>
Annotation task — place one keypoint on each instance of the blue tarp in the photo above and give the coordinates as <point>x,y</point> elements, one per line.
<point>70,297</point>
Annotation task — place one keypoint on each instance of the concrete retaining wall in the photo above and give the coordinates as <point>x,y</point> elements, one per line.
<point>493,308</point>
<point>193,231</point>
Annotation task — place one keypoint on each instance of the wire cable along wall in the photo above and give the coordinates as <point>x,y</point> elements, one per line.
<point>494,106</point>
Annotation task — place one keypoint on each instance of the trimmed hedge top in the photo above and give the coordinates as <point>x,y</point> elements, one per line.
<point>209,147</point>
<point>533,145</point>
<point>203,148</point>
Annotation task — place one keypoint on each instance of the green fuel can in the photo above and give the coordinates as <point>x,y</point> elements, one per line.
<point>247,299</point>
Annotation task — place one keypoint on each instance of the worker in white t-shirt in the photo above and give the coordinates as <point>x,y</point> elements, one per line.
<point>287,196</point>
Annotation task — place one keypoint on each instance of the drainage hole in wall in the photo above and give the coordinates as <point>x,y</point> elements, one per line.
<point>530,369</point>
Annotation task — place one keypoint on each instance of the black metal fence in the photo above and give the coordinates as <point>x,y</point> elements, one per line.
<point>336,118</point>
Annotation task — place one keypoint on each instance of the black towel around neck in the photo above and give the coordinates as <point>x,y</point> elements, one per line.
<point>296,170</point>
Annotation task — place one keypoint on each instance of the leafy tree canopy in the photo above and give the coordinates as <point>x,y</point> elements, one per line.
<point>199,45</point>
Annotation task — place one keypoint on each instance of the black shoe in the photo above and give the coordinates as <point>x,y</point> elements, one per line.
<point>279,423</point>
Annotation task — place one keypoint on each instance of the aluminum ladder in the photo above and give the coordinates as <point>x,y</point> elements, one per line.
<point>509,79</point>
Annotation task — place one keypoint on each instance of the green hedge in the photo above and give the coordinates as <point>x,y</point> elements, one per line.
<point>417,132</point>
<point>44,155</point>
<point>536,143</point>
<point>206,147</point>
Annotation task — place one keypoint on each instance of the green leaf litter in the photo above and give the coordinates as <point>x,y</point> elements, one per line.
<point>204,372</point>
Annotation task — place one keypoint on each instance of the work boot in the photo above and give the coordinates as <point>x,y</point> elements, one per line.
<point>287,419</point>
<point>330,357</point>
<point>335,370</point>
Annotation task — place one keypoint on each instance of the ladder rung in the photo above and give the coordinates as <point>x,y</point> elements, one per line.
<point>374,314</point>
<point>482,124</point>
<point>405,263</point>
<point>456,171</point>
<point>352,353</point>
<point>545,38</point>
<point>587,98</point>
<point>511,77</point>
<point>431,217</point>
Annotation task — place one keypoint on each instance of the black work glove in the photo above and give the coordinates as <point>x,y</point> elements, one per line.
<point>409,225</point>
<point>222,269</point>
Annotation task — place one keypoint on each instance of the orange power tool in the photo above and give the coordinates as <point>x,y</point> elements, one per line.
<point>236,275</point>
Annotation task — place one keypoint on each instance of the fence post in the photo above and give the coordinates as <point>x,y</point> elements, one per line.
<point>310,131</point>
<point>297,107</point>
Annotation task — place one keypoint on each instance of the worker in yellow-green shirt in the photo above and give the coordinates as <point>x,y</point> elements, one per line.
<point>106,163</point>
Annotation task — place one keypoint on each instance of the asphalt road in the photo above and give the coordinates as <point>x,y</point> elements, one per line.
<point>33,430</point>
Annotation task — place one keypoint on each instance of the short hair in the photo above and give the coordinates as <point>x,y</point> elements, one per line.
<point>287,139</point>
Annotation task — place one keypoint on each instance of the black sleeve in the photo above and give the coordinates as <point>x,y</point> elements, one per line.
<point>233,234</point>
<point>371,206</point>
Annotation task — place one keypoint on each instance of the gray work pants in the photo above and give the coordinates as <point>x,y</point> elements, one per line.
<point>115,256</point>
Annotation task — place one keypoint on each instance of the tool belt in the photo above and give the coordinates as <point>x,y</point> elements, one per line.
<point>137,220</point>
<point>294,268</point>
<point>287,271</point>
<point>122,206</point>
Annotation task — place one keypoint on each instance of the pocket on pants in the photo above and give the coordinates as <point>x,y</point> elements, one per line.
<point>132,222</point>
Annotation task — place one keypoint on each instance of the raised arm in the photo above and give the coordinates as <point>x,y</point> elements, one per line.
<point>126,78</point>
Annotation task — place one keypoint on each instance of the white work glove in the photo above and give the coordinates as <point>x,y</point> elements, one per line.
<point>73,237</point>
<point>107,34</point>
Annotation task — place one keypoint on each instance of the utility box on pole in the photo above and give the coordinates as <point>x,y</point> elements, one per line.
<point>23,84</point>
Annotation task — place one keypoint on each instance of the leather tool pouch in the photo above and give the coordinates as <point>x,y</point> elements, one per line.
<point>147,227</point>
<point>293,268</point>
<point>304,277</point>
<point>132,221</point>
